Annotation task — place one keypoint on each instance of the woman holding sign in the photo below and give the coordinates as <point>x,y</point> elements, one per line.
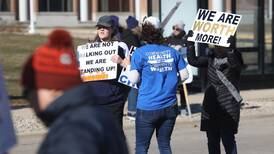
<point>156,66</point>
<point>115,92</point>
<point>221,104</point>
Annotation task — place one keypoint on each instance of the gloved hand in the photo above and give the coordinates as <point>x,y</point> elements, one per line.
<point>190,33</point>
<point>189,43</point>
<point>231,40</point>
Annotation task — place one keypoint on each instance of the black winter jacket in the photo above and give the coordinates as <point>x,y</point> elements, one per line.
<point>77,125</point>
<point>113,90</point>
<point>130,39</point>
<point>177,40</point>
<point>220,109</point>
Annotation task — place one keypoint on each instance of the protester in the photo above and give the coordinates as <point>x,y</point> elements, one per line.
<point>178,41</point>
<point>221,104</point>
<point>178,32</point>
<point>156,67</point>
<point>117,28</point>
<point>131,36</point>
<point>52,84</point>
<point>7,134</point>
<point>114,91</point>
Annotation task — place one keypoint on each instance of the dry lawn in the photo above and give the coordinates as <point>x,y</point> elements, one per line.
<point>14,50</point>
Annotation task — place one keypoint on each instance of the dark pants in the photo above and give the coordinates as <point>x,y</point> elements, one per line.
<point>132,100</point>
<point>228,139</point>
<point>117,109</point>
<point>182,97</point>
<point>162,120</point>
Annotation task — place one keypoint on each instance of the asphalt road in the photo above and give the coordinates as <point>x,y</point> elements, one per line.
<point>256,136</point>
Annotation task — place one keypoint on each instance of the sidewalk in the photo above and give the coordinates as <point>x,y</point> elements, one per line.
<point>256,103</point>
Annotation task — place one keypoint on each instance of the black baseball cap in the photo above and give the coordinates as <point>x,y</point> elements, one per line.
<point>105,21</point>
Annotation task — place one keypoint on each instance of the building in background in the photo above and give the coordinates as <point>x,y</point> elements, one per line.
<point>254,34</point>
<point>69,13</point>
<point>254,37</point>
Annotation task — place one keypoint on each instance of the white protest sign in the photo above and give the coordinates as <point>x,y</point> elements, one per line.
<point>123,78</point>
<point>95,61</point>
<point>214,27</point>
<point>190,74</point>
<point>183,51</point>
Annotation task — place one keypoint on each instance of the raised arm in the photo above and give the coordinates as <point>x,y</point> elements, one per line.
<point>197,61</point>
<point>191,57</point>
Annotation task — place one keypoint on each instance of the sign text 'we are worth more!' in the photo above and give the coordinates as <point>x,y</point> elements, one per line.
<point>214,27</point>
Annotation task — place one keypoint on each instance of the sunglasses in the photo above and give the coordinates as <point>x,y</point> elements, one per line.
<point>102,27</point>
<point>176,28</point>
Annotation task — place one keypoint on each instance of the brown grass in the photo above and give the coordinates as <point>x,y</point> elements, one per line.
<point>14,50</point>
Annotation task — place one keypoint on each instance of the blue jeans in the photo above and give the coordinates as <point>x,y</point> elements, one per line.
<point>162,120</point>
<point>228,139</point>
<point>132,100</point>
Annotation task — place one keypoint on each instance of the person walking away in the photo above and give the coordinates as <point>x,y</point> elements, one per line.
<point>221,104</point>
<point>77,123</point>
<point>131,36</point>
<point>156,66</point>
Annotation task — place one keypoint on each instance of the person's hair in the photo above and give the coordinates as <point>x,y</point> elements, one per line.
<point>97,39</point>
<point>151,35</point>
<point>136,30</point>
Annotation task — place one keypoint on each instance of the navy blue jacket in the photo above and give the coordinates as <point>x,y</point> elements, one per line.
<point>78,125</point>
